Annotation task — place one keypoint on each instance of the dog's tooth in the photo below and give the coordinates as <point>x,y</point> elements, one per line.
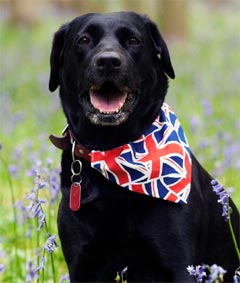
<point>110,112</point>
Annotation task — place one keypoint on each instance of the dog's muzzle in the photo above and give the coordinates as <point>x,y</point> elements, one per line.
<point>109,104</point>
<point>111,92</point>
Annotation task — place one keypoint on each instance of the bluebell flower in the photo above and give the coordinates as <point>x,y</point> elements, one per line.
<point>191,270</point>
<point>2,268</point>
<point>198,272</point>
<point>41,220</point>
<point>207,107</point>
<point>194,123</point>
<point>124,274</point>
<point>64,278</point>
<point>14,171</point>
<point>49,162</point>
<point>216,274</point>
<point>37,210</point>
<point>42,264</point>
<point>236,276</point>
<point>36,207</point>
<point>223,199</point>
<point>32,274</point>
<point>41,185</point>
<point>206,273</point>
<point>37,179</point>
<point>50,244</point>
<point>24,215</point>
<point>29,231</point>
<point>54,183</point>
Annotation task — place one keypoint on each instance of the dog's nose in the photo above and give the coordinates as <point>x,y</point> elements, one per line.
<point>108,60</point>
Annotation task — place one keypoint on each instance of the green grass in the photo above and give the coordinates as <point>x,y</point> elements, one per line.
<point>205,96</point>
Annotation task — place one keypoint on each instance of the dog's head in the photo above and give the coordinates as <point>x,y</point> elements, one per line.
<point>111,69</point>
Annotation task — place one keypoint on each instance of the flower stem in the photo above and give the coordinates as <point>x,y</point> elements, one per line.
<point>43,270</point>
<point>233,235</point>
<point>51,255</point>
<point>9,178</point>
<point>37,239</point>
<point>53,268</point>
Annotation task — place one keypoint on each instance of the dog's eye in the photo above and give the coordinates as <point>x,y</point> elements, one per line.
<point>134,41</point>
<point>83,40</point>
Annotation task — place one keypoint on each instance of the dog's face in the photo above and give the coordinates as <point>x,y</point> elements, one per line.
<point>108,67</point>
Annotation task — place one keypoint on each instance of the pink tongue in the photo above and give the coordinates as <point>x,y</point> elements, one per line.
<point>107,103</point>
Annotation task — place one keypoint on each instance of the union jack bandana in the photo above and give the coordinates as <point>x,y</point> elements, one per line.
<point>158,164</point>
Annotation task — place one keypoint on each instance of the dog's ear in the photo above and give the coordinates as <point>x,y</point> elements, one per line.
<point>56,57</point>
<point>160,47</point>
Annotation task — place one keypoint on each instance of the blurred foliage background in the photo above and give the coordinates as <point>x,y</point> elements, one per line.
<point>204,42</point>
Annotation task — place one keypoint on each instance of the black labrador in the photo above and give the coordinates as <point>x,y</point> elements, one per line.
<point>112,71</point>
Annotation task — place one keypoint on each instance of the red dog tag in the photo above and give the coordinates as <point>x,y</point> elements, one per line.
<point>75,196</point>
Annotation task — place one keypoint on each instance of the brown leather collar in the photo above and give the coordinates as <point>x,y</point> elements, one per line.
<point>68,140</point>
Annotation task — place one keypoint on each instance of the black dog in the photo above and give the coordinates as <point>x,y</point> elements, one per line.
<point>112,70</point>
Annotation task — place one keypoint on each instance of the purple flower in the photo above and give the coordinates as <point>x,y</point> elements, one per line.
<point>50,244</point>
<point>37,251</point>
<point>213,273</point>
<point>29,232</point>
<point>49,162</point>
<point>36,207</point>
<point>42,264</point>
<point>64,278</point>
<point>223,199</point>
<point>23,216</point>
<point>198,272</point>
<point>216,274</point>
<point>2,268</point>
<point>207,107</point>
<point>54,183</point>
<point>41,185</point>
<point>37,180</point>
<point>32,274</point>
<point>14,171</point>
<point>191,270</point>
<point>41,221</point>
<point>236,277</point>
<point>124,273</point>
<point>37,210</point>
<point>194,123</point>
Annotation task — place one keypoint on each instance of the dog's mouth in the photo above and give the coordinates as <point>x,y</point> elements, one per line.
<point>108,99</point>
<point>109,104</point>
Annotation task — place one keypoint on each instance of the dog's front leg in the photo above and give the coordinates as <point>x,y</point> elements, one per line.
<point>79,244</point>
